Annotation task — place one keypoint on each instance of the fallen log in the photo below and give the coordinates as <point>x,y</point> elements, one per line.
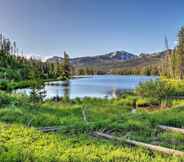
<point>180,130</point>
<point>49,129</point>
<point>176,97</point>
<point>61,127</point>
<point>163,150</point>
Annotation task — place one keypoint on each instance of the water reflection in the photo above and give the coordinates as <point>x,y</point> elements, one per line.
<point>66,89</point>
<point>109,86</point>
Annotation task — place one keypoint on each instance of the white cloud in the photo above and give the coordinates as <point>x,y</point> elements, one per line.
<point>37,56</point>
<point>29,55</point>
<point>175,42</point>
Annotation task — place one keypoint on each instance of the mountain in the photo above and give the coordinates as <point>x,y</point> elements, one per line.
<point>117,56</point>
<point>119,62</point>
<point>144,59</point>
<point>55,59</point>
<point>120,56</point>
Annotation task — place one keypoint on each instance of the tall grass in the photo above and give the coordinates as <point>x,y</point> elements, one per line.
<point>21,141</point>
<point>27,145</point>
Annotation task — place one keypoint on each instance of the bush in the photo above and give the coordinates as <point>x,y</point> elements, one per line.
<point>178,87</point>
<point>12,99</point>
<point>158,89</point>
<point>4,85</point>
<point>10,74</point>
<point>4,100</point>
<point>144,102</point>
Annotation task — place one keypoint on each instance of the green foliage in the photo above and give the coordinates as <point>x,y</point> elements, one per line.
<point>7,73</point>
<point>7,99</point>
<point>147,102</point>
<point>37,91</point>
<point>173,139</point>
<point>23,144</point>
<point>66,68</point>
<point>173,64</point>
<point>4,85</point>
<point>12,85</point>
<point>177,86</point>
<point>180,53</point>
<point>74,143</point>
<point>19,68</point>
<point>159,89</point>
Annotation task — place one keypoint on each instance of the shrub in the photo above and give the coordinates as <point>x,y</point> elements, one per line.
<point>144,102</point>
<point>159,89</point>
<point>4,85</point>
<point>178,87</point>
<point>4,99</point>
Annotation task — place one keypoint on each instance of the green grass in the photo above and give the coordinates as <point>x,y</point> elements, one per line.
<point>7,85</point>
<point>74,142</point>
<point>24,144</point>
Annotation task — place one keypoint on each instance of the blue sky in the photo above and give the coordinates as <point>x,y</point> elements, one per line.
<point>90,27</point>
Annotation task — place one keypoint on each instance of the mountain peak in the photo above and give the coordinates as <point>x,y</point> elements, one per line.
<point>55,59</point>
<point>116,56</point>
<point>121,55</point>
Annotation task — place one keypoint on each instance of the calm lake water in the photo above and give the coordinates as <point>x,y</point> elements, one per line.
<point>92,86</point>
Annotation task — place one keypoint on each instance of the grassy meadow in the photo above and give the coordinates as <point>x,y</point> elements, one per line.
<point>22,141</point>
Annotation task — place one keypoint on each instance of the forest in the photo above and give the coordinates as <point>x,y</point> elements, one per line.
<point>18,71</point>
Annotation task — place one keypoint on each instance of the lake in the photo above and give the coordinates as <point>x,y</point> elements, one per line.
<point>92,86</point>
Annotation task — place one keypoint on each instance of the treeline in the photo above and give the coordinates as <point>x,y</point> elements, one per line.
<point>173,64</point>
<point>14,66</point>
<point>144,70</point>
<point>88,71</point>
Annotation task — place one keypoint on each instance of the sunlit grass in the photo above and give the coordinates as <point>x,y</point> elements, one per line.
<point>21,141</point>
<point>24,144</point>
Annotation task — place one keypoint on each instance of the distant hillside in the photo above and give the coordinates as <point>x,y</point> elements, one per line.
<point>141,61</point>
<point>118,56</point>
<point>55,59</point>
<point>115,60</point>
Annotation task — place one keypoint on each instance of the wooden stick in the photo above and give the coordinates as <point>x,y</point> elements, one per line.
<point>84,115</point>
<point>180,130</point>
<point>29,123</point>
<point>176,97</point>
<point>141,144</point>
<point>58,128</point>
<point>49,129</point>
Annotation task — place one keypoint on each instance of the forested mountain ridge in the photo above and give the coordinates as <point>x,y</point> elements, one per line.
<point>143,64</point>
<point>119,62</point>
<point>119,56</point>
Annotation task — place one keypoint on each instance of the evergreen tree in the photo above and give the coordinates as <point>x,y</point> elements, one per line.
<point>38,92</point>
<point>180,53</point>
<point>66,74</point>
<point>173,63</point>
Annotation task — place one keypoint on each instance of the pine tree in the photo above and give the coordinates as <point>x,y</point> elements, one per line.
<point>66,67</point>
<point>180,53</point>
